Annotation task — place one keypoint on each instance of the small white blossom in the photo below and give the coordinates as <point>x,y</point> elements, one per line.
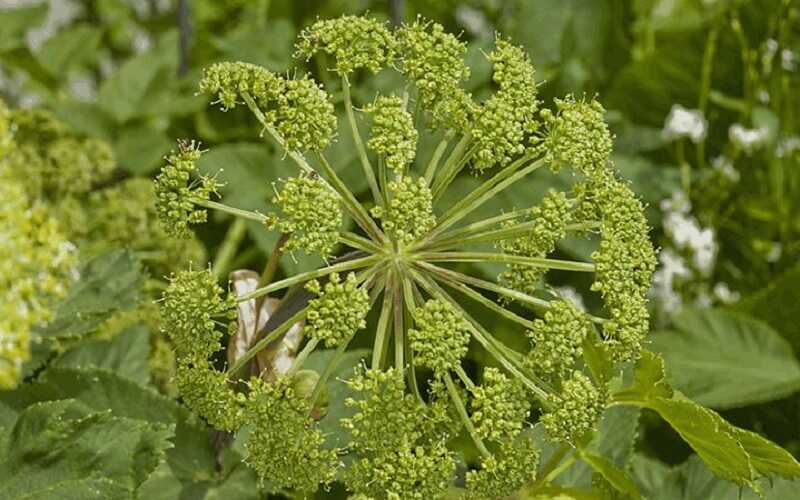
<point>724,166</point>
<point>678,202</point>
<point>683,122</point>
<point>571,295</point>
<point>788,60</point>
<point>724,294</point>
<point>747,139</point>
<point>787,146</point>
<point>775,252</point>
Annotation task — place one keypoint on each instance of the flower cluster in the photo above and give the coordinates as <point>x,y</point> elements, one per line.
<point>394,137</point>
<point>409,213</point>
<point>508,119</point>
<point>338,311</point>
<point>548,222</point>
<point>558,339</point>
<point>354,42</point>
<point>440,337</point>
<point>309,213</point>
<point>499,406</point>
<point>295,109</point>
<point>504,473</point>
<point>178,193</point>
<point>576,409</point>
<point>682,122</point>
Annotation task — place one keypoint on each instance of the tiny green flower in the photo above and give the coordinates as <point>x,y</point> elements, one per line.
<point>309,213</point>
<point>178,193</point>
<point>353,41</point>
<point>339,310</point>
<point>228,81</point>
<point>576,409</point>
<point>499,406</point>
<point>505,472</point>
<point>440,337</point>
<point>394,137</point>
<point>303,115</point>
<point>558,339</point>
<point>409,213</point>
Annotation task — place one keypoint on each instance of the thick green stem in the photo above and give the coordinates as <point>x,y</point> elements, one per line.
<point>486,192</point>
<point>563,265</point>
<point>360,149</point>
<point>227,250</point>
<point>356,209</point>
<point>452,165</point>
<point>359,243</point>
<point>271,267</point>
<point>462,413</point>
<point>503,233</point>
<point>302,356</point>
<point>382,330</point>
<point>236,212</point>
<point>261,344</point>
<point>433,164</point>
<point>468,383</point>
<point>542,477</point>
<point>399,334</point>
<point>323,378</point>
<point>410,306</point>
<point>302,277</point>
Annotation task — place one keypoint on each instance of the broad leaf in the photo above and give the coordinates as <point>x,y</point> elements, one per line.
<point>126,354</point>
<point>726,360</point>
<point>109,283</point>
<point>615,476</point>
<point>59,450</point>
<point>68,49</point>
<point>777,305</point>
<point>17,22</point>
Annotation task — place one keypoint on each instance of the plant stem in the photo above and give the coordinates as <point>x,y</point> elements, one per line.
<point>451,166</point>
<point>227,250</point>
<point>261,344</point>
<point>564,265</point>
<point>360,149</point>
<point>302,356</point>
<point>271,267</point>
<point>485,192</point>
<point>433,164</point>
<point>236,212</point>
<point>552,463</point>
<point>302,277</point>
<point>358,242</point>
<point>399,337</point>
<point>464,377</point>
<point>356,209</point>
<point>382,331</point>
<point>410,306</point>
<point>462,412</point>
<point>323,378</point>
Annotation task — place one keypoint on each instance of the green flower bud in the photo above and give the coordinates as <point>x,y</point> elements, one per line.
<point>504,473</point>
<point>558,339</point>
<point>353,41</point>
<point>228,81</point>
<point>577,136</point>
<point>310,213</point>
<point>207,393</point>
<point>284,446</point>
<point>440,337</point>
<point>303,115</point>
<point>409,213</point>
<point>550,219</point>
<point>177,193</point>
<point>393,134</point>
<point>339,311</point>
<point>508,118</point>
<point>190,305</point>
<point>576,409</point>
<point>499,406</point>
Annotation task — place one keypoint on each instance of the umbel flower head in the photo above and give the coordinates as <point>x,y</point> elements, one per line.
<point>397,268</point>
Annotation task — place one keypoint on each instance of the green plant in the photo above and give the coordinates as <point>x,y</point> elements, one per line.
<point>413,397</point>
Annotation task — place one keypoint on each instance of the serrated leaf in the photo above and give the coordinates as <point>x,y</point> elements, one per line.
<point>766,457</point>
<point>58,449</point>
<point>727,360</point>
<point>648,380</point>
<point>649,473</point>
<point>126,354</point>
<point>109,283</point>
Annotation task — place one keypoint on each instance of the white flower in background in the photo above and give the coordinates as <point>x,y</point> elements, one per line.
<point>788,60</point>
<point>763,96</point>
<point>724,294</point>
<point>683,122</point>
<point>747,139</point>
<point>724,166</point>
<point>685,231</point>
<point>787,146</point>
<point>141,41</point>
<point>703,300</point>
<point>775,252</point>
<point>705,251</point>
<point>83,87</point>
<point>678,202</point>
<point>571,295</point>
<point>672,266</point>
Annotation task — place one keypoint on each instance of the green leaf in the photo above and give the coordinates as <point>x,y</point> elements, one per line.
<point>58,449</point>
<point>109,283</point>
<point>648,473</point>
<point>126,354</point>
<point>140,149</point>
<point>766,457</point>
<point>68,49</point>
<point>17,22</point>
<point>727,360</point>
<point>617,477</point>
<point>271,46</point>
<point>777,305</point>
<point>648,380</point>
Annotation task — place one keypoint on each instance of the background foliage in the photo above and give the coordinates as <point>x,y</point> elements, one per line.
<point>126,72</point>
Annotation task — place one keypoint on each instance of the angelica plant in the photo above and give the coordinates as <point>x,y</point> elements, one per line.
<point>413,396</point>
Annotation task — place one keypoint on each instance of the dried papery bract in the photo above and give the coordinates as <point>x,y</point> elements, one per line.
<point>406,260</point>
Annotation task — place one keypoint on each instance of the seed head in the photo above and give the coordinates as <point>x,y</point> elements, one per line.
<point>558,339</point>
<point>499,406</point>
<point>393,134</point>
<point>440,337</point>
<point>409,213</point>
<point>503,474</point>
<point>576,410</point>
<point>339,310</point>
